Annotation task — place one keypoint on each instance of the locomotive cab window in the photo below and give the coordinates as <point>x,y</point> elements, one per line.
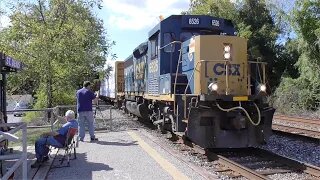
<point>167,39</point>
<point>154,46</point>
<point>187,35</point>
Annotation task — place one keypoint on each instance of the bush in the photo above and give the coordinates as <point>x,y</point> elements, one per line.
<point>63,97</point>
<point>295,96</point>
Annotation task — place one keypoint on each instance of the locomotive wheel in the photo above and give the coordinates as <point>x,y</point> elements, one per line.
<point>173,124</point>
<point>162,126</point>
<point>162,129</point>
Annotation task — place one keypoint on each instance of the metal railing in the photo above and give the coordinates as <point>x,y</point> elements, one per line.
<point>103,115</point>
<point>51,118</point>
<point>22,157</point>
<point>176,74</point>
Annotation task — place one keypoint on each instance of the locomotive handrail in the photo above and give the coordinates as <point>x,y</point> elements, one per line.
<point>185,91</point>
<point>255,62</point>
<point>173,42</point>
<point>175,80</point>
<point>263,65</point>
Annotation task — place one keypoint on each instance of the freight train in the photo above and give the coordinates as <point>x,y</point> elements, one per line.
<point>192,76</point>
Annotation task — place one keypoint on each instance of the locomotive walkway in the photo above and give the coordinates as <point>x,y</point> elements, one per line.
<point>119,155</point>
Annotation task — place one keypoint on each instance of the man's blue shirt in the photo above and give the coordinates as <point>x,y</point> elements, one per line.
<point>84,99</point>
<point>70,124</point>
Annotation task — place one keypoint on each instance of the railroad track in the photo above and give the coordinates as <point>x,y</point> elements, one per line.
<point>250,163</point>
<point>255,163</point>
<point>293,125</point>
<point>296,130</point>
<point>297,119</point>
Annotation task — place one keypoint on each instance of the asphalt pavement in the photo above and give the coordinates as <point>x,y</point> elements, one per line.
<point>122,155</point>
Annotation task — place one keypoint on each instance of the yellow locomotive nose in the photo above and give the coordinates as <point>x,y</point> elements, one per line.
<point>219,64</point>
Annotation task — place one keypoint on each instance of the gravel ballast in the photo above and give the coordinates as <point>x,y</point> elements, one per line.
<point>306,152</point>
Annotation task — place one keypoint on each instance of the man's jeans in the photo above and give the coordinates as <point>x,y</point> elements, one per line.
<point>86,117</point>
<point>41,146</point>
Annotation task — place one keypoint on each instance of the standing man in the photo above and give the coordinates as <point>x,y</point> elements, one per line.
<point>85,96</point>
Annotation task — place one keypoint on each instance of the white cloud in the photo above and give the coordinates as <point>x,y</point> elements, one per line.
<point>139,14</point>
<point>4,21</point>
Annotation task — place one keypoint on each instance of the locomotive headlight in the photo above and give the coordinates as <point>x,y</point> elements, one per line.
<point>227,51</point>
<point>263,87</point>
<point>227,48</point>
<point>213,86</point>
<point>227,55</point>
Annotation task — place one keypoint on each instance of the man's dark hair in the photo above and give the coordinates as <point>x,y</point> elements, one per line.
<point>86,83</point>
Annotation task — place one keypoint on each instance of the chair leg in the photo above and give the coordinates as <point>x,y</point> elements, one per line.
<point>63,157</point>
<point>75,153</point>
<point>68,160</point>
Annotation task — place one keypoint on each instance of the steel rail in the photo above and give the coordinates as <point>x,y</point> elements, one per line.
<point>304,167</point>
<point>296,129</point>
<point>297,119</point>
<point>231,165</point>
<point>244,171</point>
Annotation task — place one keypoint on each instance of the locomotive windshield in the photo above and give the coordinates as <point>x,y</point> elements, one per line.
<point>169,38</point>
<point>187,35</point>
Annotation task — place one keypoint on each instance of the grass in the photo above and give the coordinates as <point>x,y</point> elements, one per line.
<point>32,136</point>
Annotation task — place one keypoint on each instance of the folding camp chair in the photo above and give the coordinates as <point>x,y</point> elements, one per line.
<point>69,145</point>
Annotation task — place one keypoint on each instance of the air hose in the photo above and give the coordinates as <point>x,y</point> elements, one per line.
<point>245,111</point>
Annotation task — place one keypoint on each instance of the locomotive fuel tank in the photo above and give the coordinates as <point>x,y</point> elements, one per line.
<point>139,110</point>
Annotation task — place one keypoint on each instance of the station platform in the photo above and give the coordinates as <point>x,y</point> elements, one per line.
<point>123,155</point>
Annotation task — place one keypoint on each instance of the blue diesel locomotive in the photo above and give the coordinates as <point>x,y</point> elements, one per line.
<point>192,76</point>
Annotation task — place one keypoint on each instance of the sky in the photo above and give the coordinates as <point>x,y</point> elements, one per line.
<point>128,21</point>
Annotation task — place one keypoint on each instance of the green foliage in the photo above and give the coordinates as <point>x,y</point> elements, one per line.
<point>296,59</point>
<point>33,135</point>
<point>62,44</point>
<point>254,21</point>
<point>294,96</point>
<point>306,23</point>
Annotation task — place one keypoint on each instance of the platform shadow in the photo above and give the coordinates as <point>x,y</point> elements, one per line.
<point>80,168</point>
<point>117,143</point>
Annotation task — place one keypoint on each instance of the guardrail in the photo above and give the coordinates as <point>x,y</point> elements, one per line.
<point>22,158</point>
<point>105,116</point>
<point>52,117</point>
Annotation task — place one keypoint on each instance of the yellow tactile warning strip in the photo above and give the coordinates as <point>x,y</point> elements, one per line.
<point>172,170</point>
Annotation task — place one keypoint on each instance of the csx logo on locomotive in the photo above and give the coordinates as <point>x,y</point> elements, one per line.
<point>140,70</point>
<point>233,69</point>
<point>153,66</point>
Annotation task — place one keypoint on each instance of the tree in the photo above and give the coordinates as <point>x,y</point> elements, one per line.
<point>305,91</point>
<point>254,22</point>
<point>61,42</point>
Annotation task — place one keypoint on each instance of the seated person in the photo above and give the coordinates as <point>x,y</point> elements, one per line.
<point>55,139</point>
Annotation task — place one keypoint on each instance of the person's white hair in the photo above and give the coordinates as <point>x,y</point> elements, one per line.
<point>70,114</point>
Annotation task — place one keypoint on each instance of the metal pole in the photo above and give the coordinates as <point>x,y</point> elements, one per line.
<point>24,153</point>
<point>111,118</point>
<point>3,97</point>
